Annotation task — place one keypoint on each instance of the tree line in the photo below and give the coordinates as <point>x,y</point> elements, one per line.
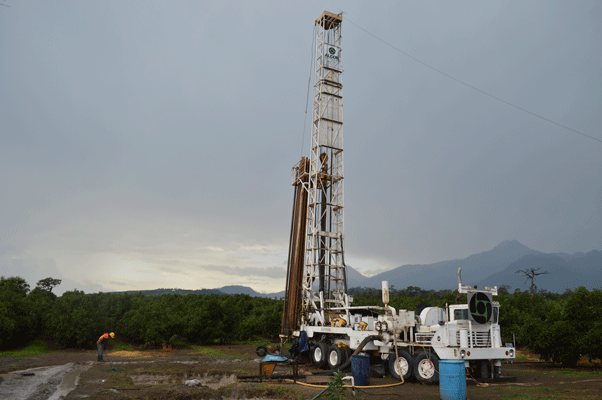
<point>561,328</point>
<point>76,319</point>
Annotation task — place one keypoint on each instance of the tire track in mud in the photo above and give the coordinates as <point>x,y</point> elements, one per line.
<point>42,383</point>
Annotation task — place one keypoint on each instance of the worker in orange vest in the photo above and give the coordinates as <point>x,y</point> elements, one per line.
<point>101,343</point>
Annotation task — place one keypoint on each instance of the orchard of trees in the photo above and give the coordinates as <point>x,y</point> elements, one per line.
<point>559,327</point>
<point>76,319</point>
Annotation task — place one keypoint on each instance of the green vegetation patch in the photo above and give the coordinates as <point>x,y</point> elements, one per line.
<point>219,353</point>
<point>530,396</point>
<point>120,378</point>
<point>35,348</point>
<point>211,352</point>
<point>120,346</point>
<point>524,396</point>
<point>575,372</point>
<point>531,389</point>
<point>271,390</point>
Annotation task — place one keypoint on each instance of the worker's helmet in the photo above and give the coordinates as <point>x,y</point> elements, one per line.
<point>112,335</point>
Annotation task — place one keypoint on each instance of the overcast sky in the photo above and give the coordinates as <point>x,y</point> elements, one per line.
<point>150,144</point>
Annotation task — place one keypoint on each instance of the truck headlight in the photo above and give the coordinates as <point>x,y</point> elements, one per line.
<point>462,353</point>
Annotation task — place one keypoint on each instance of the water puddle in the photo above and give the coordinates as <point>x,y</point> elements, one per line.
<point>70,381</point>
<point>48,383</point>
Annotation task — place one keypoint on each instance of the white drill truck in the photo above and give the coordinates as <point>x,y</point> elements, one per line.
<point>318,309</point>
<point>468,332</point>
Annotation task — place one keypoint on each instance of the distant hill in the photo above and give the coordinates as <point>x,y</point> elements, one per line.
<point>162,291</point>
<point>224,290</point>
<point>354,278</point>
<point>498,267</point>
<point>495,267</point>
<point>442,275</point>
<point>249,291</point>
<point>563,272</point>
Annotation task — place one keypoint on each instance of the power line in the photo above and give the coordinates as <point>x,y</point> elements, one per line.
<point>471,86</point>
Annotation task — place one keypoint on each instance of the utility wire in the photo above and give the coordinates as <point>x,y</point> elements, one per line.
<point>470,86</point>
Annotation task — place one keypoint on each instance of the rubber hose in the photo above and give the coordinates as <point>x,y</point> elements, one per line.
<point>346,386</point>
<point>355,353</point>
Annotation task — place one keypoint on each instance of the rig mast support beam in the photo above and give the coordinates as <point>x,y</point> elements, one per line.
<point>324,275</point>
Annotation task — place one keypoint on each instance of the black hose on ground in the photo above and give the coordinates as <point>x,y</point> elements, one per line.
<point>355,353</point>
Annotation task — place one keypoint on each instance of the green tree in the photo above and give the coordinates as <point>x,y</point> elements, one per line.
<point>41,303</point>
<point>48,283</point>
<point>75,320</point>
<point>16,321</point>
<point>16,284</point>
<point>584,314</point>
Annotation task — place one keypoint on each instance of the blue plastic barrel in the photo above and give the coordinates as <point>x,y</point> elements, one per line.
<point>360,369</point>
<point>452,380</point>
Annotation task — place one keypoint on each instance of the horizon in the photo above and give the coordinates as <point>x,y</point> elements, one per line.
<point>365,276</point>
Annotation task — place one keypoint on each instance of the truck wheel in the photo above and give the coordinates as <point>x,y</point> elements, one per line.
<point>318,354</point>
<point>261,351</point>
<point>336,357</point>
<point>426,367</point>
<point>405,365</point>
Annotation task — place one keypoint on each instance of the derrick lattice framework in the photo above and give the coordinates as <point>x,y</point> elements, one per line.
<point>324,273</point>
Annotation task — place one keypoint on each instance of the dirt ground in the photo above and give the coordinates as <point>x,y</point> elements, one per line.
<point>154,374</point>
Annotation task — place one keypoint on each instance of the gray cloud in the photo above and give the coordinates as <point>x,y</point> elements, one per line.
<point>141,148</point>
<point>33,270</point>
<point>271,272</point>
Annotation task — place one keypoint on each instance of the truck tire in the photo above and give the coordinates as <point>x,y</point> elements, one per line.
<point>405,365</point>
<point>426,367</point>
<point>261,351</point>
<point>336,357</point>
<point>318,354</point>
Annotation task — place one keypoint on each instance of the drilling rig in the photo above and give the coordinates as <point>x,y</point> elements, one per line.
<point>317,304</point>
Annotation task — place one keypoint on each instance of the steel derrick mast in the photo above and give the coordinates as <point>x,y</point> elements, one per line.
<point>317,309</point>
<point>324,274</point>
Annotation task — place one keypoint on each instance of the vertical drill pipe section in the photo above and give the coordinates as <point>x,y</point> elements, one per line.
<point>322,254</point>
<point>296,252</point>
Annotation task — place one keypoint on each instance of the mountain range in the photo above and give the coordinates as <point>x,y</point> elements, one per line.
<point>496,267</point>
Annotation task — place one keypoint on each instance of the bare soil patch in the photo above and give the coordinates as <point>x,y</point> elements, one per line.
<point>154,374</point>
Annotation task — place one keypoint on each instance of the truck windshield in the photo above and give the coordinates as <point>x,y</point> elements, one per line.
<point>460,314</point>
